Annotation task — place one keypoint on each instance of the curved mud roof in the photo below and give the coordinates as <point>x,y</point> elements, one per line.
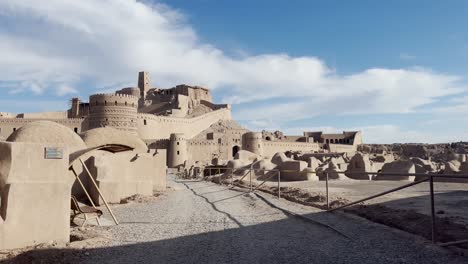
<point>110,136</point>
<point>110,148</point>
<point>48,132</point>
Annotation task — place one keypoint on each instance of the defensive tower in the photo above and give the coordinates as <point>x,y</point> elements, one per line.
<point>114,110</point>
<point>253,142</point>
<point>177,150</point>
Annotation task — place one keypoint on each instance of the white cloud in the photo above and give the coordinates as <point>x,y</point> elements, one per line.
<point>456,106</point>
<point>59,45</point>
<point>24,86</point>
<point>64,89</point>
<point>109,41</point>
<point>39,105</point>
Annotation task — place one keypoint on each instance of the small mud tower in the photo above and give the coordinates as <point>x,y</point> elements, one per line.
<point>177,150</point>
<point>75,108</point>
<point>115,110</point>
<point>143,84</point>
<point>253,142</point>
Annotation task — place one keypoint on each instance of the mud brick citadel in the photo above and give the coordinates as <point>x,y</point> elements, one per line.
<point>121,144</point>
<point>182,120</point>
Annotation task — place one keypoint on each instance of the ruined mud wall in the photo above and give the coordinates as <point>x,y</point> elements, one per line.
<point>214,106</point>
<point>342,148</point>
<point>271,147</point>
<point>434,152</point>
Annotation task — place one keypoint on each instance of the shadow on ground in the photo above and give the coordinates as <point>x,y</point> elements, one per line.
<point>413,215</point>
<point>290,240</point>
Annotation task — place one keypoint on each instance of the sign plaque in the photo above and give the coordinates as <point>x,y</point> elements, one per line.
<point>53,153</point>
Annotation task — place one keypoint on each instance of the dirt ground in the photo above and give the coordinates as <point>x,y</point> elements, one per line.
<point>203,222</point>
<point>451,199</point>
<point>408,209</point>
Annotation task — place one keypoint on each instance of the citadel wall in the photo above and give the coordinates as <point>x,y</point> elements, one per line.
<point>161,127</point>
<point>9,125</point>
<point>207,150</point>
<point>222,140</point>
<point>150,127</point>
<point>45,115</point>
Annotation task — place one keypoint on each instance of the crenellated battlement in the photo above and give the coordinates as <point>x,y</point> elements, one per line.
<point>114,95</point>
<point>16,120</point>
<point>114,110</point>
<point>113,99</point>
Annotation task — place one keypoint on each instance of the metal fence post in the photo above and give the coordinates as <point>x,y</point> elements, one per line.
<point>232,177</point>
<point>250,179</point>
<point>99,191</point>
<point>279,182</point>
<point>433,220</point>
<point>326,187</point>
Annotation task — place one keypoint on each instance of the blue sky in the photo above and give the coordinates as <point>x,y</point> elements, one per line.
<point>349,35</point>
<point>394,69</point>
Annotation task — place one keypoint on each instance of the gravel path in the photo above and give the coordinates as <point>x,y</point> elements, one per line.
<point>201,222</point>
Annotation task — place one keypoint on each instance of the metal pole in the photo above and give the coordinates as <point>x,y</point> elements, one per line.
<point>453,243</point>
<point>83,187</point>
<point>379,194</point>
<point>232,177</point>
<point>250,179</point>
<point>433,220</point>
<point>279,183</point>
<point>259,185</point>
<point>326,188</point>
<point>100,194</point>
